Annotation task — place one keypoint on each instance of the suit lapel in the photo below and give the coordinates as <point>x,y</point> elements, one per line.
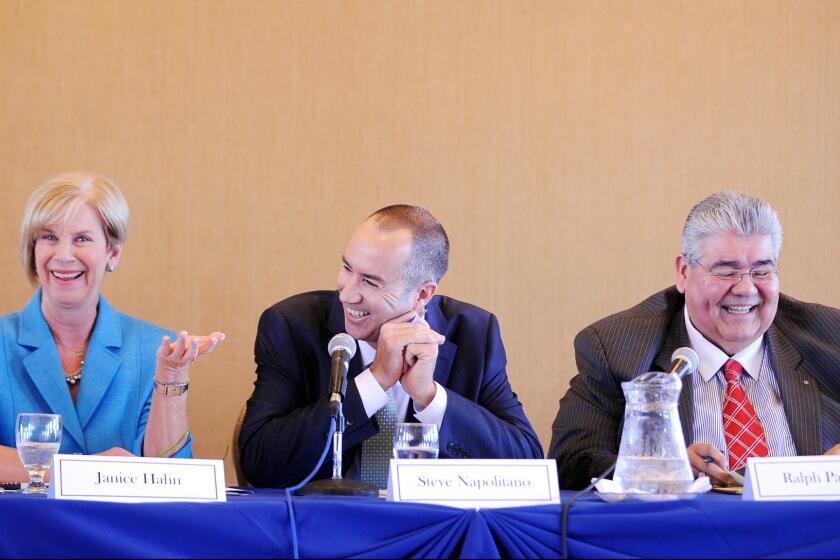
<point>101,362</point>
<point>335,321</point>
<point>446,351</point>
<point>799,392</point>
<point>335,325</point>
<point>678,337</point>
<point>43,368</point>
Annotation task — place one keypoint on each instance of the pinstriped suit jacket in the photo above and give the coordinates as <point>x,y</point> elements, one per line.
<point>804,346</point>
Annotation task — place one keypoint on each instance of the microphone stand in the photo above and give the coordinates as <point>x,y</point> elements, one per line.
<point>337,486</point>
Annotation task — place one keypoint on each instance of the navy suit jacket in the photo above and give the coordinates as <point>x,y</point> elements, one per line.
<point>287,419</point>
<point>804,348</point>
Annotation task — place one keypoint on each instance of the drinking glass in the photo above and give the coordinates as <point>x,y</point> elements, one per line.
<point>38,437</point>
<point>415,441</point>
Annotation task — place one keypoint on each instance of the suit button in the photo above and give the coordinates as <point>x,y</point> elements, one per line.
<point>349,422</point>
<point>451,447</point>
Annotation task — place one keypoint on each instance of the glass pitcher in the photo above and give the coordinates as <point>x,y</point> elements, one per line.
<point>652,457</point>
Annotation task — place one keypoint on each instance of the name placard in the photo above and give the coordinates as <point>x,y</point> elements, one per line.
<point>137,479</point>
<point>474,483</point>
<point>793,478</point>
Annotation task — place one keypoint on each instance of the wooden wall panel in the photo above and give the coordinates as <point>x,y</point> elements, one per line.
<point>561,143</point>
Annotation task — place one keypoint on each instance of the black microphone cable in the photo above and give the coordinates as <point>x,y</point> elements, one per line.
<point>564,517</point>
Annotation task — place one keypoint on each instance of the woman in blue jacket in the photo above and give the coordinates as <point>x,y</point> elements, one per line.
<point>119,383</point>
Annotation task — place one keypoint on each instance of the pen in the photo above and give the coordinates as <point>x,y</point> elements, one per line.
<point>737,477</point>
<point>706,459</point>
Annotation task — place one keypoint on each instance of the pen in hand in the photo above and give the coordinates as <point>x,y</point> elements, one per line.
<point>736,477</point>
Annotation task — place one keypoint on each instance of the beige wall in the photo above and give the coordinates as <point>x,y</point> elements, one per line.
<point>561,143</point>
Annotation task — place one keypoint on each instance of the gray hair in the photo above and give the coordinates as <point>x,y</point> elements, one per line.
<point>429,258</point>
<point>729,211</point>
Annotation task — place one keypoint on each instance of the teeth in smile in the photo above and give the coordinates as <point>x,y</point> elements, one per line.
<point>739,308</point>
<point>68,276</point>
<point>357,314</point>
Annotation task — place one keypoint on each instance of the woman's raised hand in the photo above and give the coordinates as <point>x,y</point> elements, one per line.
<point>174,358</point>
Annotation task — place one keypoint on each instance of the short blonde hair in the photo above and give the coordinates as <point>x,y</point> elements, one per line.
<point>59,198</point>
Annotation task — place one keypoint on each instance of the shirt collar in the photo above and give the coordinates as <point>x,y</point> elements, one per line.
<point>712,358</point>
<point>368,353</point>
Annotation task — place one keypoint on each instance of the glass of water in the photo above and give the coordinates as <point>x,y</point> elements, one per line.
<point>415,441</point>
<point>38,437</point>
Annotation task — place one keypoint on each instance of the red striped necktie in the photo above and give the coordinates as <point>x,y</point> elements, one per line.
<point>741,426</point>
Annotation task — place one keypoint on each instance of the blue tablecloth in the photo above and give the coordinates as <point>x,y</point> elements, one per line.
<point>258,526</point>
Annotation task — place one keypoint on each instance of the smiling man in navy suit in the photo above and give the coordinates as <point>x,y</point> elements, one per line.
<point>422,357</point>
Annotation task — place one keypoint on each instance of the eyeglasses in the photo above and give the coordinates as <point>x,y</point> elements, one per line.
<point>731,276</point>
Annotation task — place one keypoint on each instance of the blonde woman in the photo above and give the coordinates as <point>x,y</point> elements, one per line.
<point>119,383</point>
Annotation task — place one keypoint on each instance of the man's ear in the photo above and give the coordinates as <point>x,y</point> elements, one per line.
<point>424,296</point>
<point>682,272</point>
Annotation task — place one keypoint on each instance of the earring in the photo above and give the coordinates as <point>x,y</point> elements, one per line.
<point>109,267</point>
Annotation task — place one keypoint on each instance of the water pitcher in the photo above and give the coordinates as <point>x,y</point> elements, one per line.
<point>652,457</point>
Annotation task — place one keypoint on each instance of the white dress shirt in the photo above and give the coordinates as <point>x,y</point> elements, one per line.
<point>759,382</point>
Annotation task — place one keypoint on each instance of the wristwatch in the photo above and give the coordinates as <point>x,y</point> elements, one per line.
<point>172,389</point>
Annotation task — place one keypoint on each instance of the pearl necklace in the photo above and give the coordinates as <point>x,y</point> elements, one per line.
<point>73,377</point>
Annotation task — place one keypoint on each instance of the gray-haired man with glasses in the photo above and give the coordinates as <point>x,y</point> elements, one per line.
<point>769,377</point>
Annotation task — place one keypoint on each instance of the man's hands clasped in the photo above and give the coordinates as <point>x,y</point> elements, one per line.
<point>407,352</point>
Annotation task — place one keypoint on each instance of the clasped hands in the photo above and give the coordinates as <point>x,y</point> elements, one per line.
<point>407,352</point>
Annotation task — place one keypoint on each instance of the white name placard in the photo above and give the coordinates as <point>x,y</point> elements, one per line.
<point>137,479</point>
<point>474,483</point>
<point>793,478</point>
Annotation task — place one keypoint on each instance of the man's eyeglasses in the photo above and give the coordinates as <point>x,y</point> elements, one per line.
<point>731,276</point>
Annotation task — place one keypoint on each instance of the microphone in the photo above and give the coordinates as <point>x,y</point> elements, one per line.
<point>341,348</point>
<point>684,361</point>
